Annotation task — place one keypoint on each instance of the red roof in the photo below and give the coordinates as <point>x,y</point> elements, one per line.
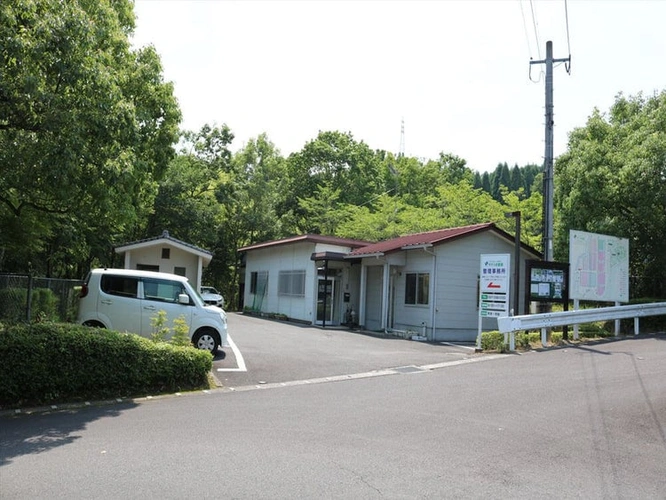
<point>419,239</point>
<point>312,238</point>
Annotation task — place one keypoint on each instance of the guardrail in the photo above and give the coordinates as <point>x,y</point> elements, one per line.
<point>509,325</point>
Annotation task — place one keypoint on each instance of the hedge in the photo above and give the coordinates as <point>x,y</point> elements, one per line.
<point>44,363</point>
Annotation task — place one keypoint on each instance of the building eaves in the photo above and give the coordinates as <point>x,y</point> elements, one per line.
<point>308,238</point>
<point>163,237</point>
<point>420,240</point>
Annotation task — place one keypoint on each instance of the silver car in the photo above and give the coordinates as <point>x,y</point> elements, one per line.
<point>211,296</point>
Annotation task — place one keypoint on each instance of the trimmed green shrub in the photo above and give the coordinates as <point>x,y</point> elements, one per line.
<point>492,341</point>
<point>13,304</point>
<point>44,305</point>
<point>44,363</point>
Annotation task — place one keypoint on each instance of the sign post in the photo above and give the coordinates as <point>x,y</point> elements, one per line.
<point>494,285</point>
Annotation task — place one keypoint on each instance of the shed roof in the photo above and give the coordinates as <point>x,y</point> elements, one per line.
<point>164,237</point>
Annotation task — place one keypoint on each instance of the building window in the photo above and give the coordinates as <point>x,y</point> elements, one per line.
<point>291,283</point>
<point>258,281</point>
<point>166,253</point>
<point>180,271</point>
<point>417,289</point>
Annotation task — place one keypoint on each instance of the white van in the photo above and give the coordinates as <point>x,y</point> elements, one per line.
<point>126,300</point>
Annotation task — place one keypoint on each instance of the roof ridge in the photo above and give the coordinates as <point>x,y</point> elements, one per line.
<point>469,226</point>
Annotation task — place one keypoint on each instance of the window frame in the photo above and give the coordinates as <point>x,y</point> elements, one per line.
<point>256,278</point>
<point>417,289</point>
<point>291,283</point>
<point>120,286</point>
<point>163,291</point>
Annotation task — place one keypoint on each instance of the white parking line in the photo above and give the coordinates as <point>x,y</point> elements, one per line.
<point>239,358</point>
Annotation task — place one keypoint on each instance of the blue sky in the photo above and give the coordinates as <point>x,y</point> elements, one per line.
<point>457,72</point>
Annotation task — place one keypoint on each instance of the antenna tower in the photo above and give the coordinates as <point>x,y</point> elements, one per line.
<point>402,138</point>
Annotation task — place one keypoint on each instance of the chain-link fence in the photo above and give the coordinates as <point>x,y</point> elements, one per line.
<point>26,298</point>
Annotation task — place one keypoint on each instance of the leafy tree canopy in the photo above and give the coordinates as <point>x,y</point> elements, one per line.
<point>86,123</point>
<point>612,180</point>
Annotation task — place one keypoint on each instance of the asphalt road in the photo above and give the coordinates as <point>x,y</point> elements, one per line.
<point>581,422</point>
<point>268,351</point>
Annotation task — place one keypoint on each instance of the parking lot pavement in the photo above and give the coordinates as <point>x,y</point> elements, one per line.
<point>264,352</point>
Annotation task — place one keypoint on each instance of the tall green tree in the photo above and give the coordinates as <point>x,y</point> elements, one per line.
<point>334,160</point>
<point>388,217</point>
<point>248,199</point>
<point>454,169</point>
<point>500,177</point>
<point>261,180</point>
<point>516,181</point>
<point>86,128</point>
<point>612,180</point>
<point>461,205</point>
<point>322,210</point>
<point>186,205</point>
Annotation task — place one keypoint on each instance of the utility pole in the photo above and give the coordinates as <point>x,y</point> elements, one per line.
<point>516,264</point>
<point>548,189</point>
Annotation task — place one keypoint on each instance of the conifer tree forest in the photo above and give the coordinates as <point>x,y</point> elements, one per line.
<point>91,157</point>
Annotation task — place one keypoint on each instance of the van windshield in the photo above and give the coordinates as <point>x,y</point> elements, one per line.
<point>196,296</point>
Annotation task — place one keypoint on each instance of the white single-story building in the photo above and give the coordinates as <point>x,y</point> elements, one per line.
<point>287,277</point>
<point>168,255</point>
<point>425,283</point>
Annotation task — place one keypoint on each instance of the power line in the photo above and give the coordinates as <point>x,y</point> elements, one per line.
<point>567,65</point>
<point>527,35</point>
<point>536,30</point>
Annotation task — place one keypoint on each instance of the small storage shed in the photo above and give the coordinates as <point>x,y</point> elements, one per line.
<point>168,255</point>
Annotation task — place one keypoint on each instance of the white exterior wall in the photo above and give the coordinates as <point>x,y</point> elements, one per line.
<point>152,256</point>
<point>453,307</point>
<point>294,257</point>
<point>453,267</point>
<point>408,317</point>
<point>458,265</point>
<point>282,258</point>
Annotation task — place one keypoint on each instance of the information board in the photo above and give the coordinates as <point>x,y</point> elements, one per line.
<point>494,285</point>
<point>599,267</point>
<point>547,281</point>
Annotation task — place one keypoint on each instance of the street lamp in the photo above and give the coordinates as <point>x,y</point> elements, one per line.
<point>516,265</point>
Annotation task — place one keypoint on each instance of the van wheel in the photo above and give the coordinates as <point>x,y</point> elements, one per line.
<point>93,324</point>
<point>206,340</point>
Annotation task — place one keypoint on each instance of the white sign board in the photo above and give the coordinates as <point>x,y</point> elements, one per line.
<point>494,287</point>
<point>599,267</point>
